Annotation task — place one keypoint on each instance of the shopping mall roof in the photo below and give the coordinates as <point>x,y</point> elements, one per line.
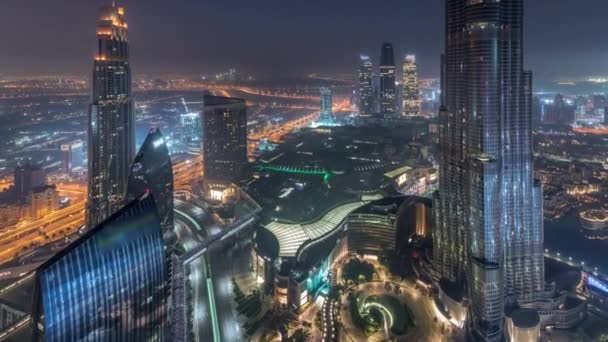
<point>292,236</point>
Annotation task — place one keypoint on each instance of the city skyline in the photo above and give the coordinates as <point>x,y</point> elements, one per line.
<point>372,204</point>
<point>551,54</point>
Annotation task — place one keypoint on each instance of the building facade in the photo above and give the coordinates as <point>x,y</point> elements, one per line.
<point>72,156</point>
<point>224,126</point>
<point>43,200</point>
<point>327,115</point>
<point>388,93</point>
<point>152,172</point>
<point>191,132</point>
<point>109,285</point>
<point>111,131</point>
<point>366,87</point>
<point>488,207</point>
<point>26,178</point>
<point>411,88</point>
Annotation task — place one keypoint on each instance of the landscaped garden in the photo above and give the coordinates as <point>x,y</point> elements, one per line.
<point>372,313</point>
<point>358,271</point>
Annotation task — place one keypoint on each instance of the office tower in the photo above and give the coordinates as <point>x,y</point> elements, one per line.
<point>72,156</point>
<point>26,178</point>
<point>559,110</point>
<point>411,88</point>
<point>152,172</point>
<point>488,207</point>
<point>366,87</point>
<point>327,117</point>
<point>111,119</point>
<point>43,200</point>
<point>224,126</point>
<point>108,285</point>
<point>388,95</point>
<point>191,132</point>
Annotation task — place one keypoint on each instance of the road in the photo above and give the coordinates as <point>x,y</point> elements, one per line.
<point>215,317</point>
<point>30,234</point>
<point>328,320</point>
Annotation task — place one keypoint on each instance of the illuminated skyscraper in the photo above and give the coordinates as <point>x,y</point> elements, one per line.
<point>411,88</point>
<point>111,128</point>
<point>224,125</point>
<point>388,94</point>
<point>191,132</point>
<point>152,172</point>
<point>366,87</point>
<point>72,156</point>
<point>488,207</point>
<point>111,284</point>
<point>327,116</point>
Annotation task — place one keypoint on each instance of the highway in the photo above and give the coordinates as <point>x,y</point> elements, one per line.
<point>27,235</point>
<point>210,278</point>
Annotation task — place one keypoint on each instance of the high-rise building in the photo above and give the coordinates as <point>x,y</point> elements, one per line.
<point>72,156</point>
<point>411,88</point>
<point>111,141</point>
<point>152,172</point>
<point>111,284</point>
<point>43,200</point>
<point>366,87</point>
<point>191,132</point>
<point>327,115</point>
<point>488,207</point>
<point>224,126</point>
<point>26,178</point>
<point>388,94</point>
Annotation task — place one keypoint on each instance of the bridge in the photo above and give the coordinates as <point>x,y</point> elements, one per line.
<point>580,265</point>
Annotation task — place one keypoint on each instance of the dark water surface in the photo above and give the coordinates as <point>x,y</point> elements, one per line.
<point>565,236</point>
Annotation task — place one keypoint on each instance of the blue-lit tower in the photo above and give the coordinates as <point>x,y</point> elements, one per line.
<point>488,234</point>
<point>327,116</point>
<point>111,284</point>
<point>151,172</point>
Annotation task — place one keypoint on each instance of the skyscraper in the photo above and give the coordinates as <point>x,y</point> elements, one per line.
<point>111,284</point>
<point>411,88</point>
<point>111,128</point>
<point>152,172</point>
<point>327,116</point>
<point>191,132</point>
<point>26,178</point>
<point>224,125</point>
<point>72,156</point>
<point>366,87</point>
<point>388,94</point>
<point>488,207</point>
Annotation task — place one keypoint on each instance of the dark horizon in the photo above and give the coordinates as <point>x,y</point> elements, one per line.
<point>186,37</point>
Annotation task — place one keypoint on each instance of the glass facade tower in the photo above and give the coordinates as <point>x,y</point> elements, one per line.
<point>366,87</point>
<point>111,130</point>
<point>327,115</point>
<point>152,172</point>
<point>411,88</point>
<point>488,208</point>
<point>224,125</point>
<point>388,94</point>
<point>110,284</point>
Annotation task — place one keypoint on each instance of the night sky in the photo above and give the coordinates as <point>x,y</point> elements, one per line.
<point>564,38</point>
